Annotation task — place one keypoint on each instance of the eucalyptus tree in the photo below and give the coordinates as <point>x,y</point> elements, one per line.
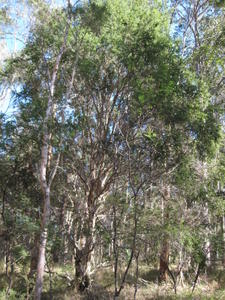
<point>39,71</point>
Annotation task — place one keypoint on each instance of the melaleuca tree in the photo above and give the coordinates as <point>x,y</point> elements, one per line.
<point>123,90</point>
<point>103,88</point>
<point>111,85</point>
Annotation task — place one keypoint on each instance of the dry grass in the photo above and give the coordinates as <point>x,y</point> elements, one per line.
<point>102,288</point>
<point>211,287</point>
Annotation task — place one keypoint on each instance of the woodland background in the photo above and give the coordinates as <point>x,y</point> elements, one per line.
<point>112,154</point>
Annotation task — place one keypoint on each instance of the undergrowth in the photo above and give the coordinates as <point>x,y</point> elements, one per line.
<point>61,286</point>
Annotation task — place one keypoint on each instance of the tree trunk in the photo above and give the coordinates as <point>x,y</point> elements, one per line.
<point>33,262</point>
<point>208,246</point>
<point>42,246</point>
<point>164,261</point>
<point>82,267</point>
<point>84,249</point>
<point>164,256</point>
<point>34,256</point>
<point>223,239</point>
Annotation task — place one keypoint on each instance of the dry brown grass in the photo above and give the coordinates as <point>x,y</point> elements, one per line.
<point>148,289</point>
<point>210,287</point>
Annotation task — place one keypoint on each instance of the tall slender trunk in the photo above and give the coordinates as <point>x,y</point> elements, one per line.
<point>45,187</point>
<point>165,249</point>
<point>63,212</point>
<point>181,264</point>
<point>42,247</point>
<point>223,239</point>
<point>46,177</point>
<point>208,244</point>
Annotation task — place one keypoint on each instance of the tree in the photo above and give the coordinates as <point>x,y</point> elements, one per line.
<point>115,121</point>
<point>41,87</point>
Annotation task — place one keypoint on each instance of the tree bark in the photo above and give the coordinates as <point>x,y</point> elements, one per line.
<point>42,247</point>
<point>82,267</point>
<point>84,249</point>
<point>34,256</point>
<point>223,239</point>
<point>165,250</point>
<point>164,261</point>
<point>46,177</point>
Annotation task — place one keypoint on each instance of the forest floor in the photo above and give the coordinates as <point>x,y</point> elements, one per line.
<point>57,286</point>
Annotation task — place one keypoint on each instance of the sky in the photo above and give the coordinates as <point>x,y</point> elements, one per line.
<point>13,38</point>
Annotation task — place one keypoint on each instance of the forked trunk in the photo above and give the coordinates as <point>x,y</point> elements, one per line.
<point>83,255</point>
<point>82,267</point>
